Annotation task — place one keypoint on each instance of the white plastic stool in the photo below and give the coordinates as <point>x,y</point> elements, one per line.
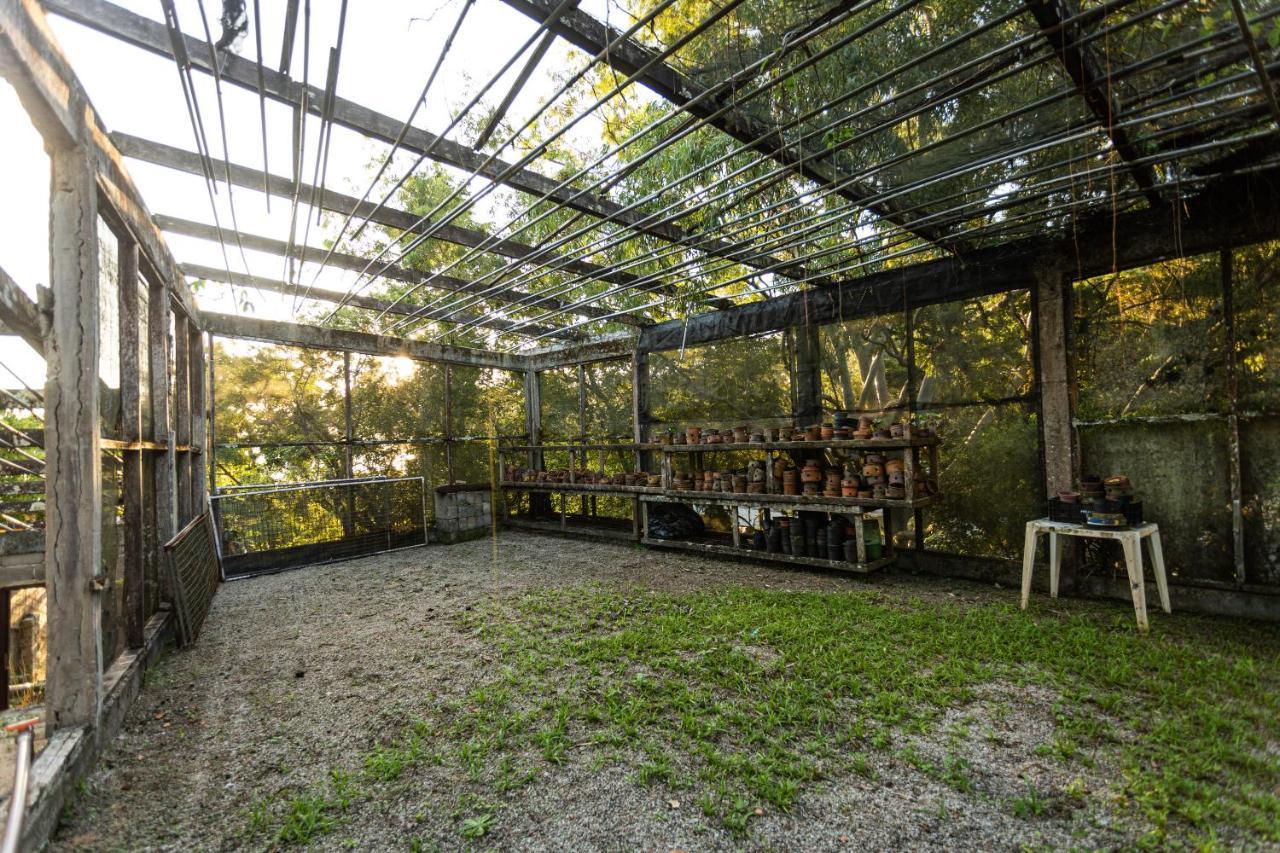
<point>1130,540</point>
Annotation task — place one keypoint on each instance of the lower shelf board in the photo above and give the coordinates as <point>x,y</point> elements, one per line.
<point>575,527</point>
<point>751,553</point>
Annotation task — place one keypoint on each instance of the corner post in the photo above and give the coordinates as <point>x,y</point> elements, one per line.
<point>73,533</point>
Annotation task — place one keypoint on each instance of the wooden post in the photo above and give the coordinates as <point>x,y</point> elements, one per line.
<point>182,415</point>
<point>135,579</point>
<point>1052,301</point>
<point>73,466</point>
<point>448,422</point>
<point>641,420</point>
<point>199,409</point>
<point>163,473</point>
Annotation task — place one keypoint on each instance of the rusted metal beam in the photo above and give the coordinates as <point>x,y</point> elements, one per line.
<point>1236,210</point>
<point>1090,78</point>
<point>628,57</point>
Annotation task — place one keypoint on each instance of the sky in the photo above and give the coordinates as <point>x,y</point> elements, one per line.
<point>388,51</point>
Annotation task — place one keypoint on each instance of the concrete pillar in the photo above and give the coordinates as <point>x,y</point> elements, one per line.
<point>1051,295</point>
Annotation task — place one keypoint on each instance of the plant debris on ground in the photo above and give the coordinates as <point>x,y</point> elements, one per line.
<point>569,700</point>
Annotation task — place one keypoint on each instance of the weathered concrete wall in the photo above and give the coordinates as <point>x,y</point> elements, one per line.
<point>463,513</point>
<point>1260,481</point>
<point>1179,471</point>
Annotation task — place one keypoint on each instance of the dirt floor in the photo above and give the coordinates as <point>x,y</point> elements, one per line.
<point>298,675</point>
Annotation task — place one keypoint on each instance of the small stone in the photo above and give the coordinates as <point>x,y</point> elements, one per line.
<point>675,804</point>
<point>759,812</point>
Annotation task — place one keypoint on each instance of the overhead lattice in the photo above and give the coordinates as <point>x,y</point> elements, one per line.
<point>695,155</point>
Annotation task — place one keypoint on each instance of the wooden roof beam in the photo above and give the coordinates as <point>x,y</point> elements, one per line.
<point>404,309</point>
<point>1236,210</point>
<point>150,35</point>
<point>160,154</point>
<point>323,337</point>
<point>257,243</point>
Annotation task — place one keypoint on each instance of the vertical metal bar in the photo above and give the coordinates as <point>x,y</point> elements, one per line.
<point>582,423</point>
<point>1233,418</point>
<point>448,421</point>
<point>213,425</point>
<point>909,457</point>
<point>349,521</point>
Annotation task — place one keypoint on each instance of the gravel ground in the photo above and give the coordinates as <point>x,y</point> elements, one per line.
<point>302,672</point>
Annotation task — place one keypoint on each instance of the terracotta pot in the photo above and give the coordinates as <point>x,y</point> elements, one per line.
<point>865,424</point>
<point>893,465</point>
<point>895,430</point>
<point>872,469</point>
<point>693,434</point>
<point>739,483</point>
<point>828,432</point>
<point>755,488</point>
<point>897,478</point>
<point>882,434</point>
<point>877,491</point>
<point>790,481</point>
<point>813,433</point>
<point>740,435</point>
<point>812,472</point>
<point>848,488</point>
<point>1069,497</point>
<point>842,434</point>
<point>866,493</point>
<point>653,481</point>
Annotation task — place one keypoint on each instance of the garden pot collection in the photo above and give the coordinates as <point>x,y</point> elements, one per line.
<point>580,476</point>
<point>1100,502</point>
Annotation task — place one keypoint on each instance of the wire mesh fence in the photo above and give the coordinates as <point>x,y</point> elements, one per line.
<point>271,528</point>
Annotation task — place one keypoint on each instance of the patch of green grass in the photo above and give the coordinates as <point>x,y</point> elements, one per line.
<point>744,697</point>
<point>306,818</point>
<point>477,826</point>
<point>1029,806</point>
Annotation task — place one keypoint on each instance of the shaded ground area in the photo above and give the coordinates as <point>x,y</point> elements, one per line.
<point>547,693</point>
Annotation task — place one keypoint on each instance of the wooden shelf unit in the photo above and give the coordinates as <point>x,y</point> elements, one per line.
<point>643,496</point>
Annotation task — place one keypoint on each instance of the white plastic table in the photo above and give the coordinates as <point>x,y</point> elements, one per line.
<point>1130,539</point>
